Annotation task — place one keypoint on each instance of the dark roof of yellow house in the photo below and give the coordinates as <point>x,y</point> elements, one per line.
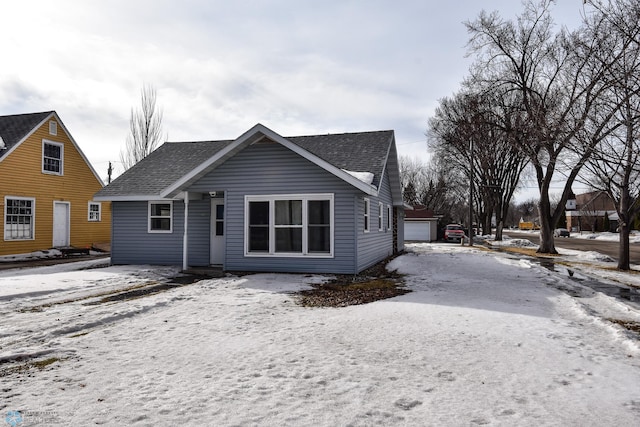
<point>15,127</point>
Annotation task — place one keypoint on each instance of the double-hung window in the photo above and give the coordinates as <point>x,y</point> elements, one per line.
<point>389,218</point>
<point>380,216</point>
<point>19,218</point>
<point>289,225</point>
<point>160,217</point>
<point>52,157</point>
<point>94,211</point>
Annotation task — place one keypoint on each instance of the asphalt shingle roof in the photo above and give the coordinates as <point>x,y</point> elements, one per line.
<point>15,127</point>
<point>162,167</point>
<point>357,152</point>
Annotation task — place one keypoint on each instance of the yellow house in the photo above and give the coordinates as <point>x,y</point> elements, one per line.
<point>47,187</point>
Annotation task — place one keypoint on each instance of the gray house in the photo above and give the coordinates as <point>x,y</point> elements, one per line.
<point>262,202</point>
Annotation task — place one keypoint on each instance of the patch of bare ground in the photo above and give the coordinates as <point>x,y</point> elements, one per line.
<point>528,251</point>
<point>373,284</point>
<point>627,324</point>
<point>26,366</point>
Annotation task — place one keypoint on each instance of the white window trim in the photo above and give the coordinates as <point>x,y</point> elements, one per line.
<point>367,215</point>
<point>33,218</point>
<point>53,128</point>
<point>389,218</point>
<point>380,216</point>
<point>61,172</point>
<point>160,202</point>
<point>305,225</point>
<point>99,212</point>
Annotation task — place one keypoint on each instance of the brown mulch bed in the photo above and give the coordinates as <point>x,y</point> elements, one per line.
<point>372,284</point>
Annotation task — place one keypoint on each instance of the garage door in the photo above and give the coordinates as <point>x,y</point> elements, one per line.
<point>417,231</point>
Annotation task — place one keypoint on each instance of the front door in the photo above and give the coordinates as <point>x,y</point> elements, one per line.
<point>60,224</point>
<point>217,232</point>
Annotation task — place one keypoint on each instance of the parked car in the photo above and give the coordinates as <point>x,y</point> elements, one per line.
<point>453,233</point>
<point>561,232</point>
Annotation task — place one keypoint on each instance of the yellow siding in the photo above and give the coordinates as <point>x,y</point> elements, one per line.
<point>21,175</point>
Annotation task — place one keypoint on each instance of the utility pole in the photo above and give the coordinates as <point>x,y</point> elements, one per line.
<point>471,191</point>
<point>109,171</point>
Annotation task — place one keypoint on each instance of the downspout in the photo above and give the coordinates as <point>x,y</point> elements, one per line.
<point>356,229</point>
<point>185,239</point>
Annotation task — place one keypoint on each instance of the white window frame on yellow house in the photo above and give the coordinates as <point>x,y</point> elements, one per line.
<point>46,160</point>
<point>94,215</point>
<point>16,214</point>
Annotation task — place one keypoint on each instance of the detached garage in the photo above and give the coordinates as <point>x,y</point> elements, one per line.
<point>420,224</point>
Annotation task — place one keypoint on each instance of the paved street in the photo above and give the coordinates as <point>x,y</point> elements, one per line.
<point>607,248</point>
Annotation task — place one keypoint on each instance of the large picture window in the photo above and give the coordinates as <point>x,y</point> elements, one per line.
<point>160,217</point>
<point>289,225</point>
<point>52,157</point>
<point>19,218</point>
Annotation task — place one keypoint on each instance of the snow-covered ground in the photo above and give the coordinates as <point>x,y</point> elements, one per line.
<point>484,338</point>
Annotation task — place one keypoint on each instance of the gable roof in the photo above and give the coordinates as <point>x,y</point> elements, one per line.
<point>173,167</point>
<point>164,166</point>
<point>16,128</point>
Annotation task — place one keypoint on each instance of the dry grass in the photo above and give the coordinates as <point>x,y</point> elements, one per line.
<point>372,284</point>
<point>627,324</point>
<point>23,367</point>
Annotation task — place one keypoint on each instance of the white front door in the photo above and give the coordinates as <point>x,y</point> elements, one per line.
<point>217,232</point>
<point>60,224</point>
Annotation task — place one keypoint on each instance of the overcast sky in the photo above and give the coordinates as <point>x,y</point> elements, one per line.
<point>220,67</point>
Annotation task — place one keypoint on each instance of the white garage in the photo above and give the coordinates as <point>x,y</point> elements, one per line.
<point>417,230</point>
<point>420,224</point>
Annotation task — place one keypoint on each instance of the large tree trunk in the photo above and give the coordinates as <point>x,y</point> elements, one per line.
<point>624,226</point>
<point>623,248</point>
<point>499,227</point>
<point>547,244</point>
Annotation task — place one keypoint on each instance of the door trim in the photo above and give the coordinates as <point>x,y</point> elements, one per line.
<point>67,224</point>
<point>220,257</point>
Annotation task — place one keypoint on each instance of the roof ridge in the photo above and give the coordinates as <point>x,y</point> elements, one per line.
<point>29,114</point>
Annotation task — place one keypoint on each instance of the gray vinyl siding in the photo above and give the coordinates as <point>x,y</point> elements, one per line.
<point>374,245</point>
<point>132,244</point>
<point>270,169</point>
<point>260,169</point>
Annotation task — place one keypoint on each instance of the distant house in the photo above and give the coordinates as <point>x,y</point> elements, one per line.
<point>47,187</point>
<point>262,202</point>
<point>420,224</point>
<point>590,212</point>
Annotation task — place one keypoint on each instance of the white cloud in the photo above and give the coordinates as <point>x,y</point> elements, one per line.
<point>220,67</point>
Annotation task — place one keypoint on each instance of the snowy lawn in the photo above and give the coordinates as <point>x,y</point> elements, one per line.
<point>484,338</point>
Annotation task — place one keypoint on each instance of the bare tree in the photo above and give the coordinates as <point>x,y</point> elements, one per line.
<point>433,184</point>
<point>556,79</point>
<point>145,126</point>
<point>474,132</point>
<point>615,124</point>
